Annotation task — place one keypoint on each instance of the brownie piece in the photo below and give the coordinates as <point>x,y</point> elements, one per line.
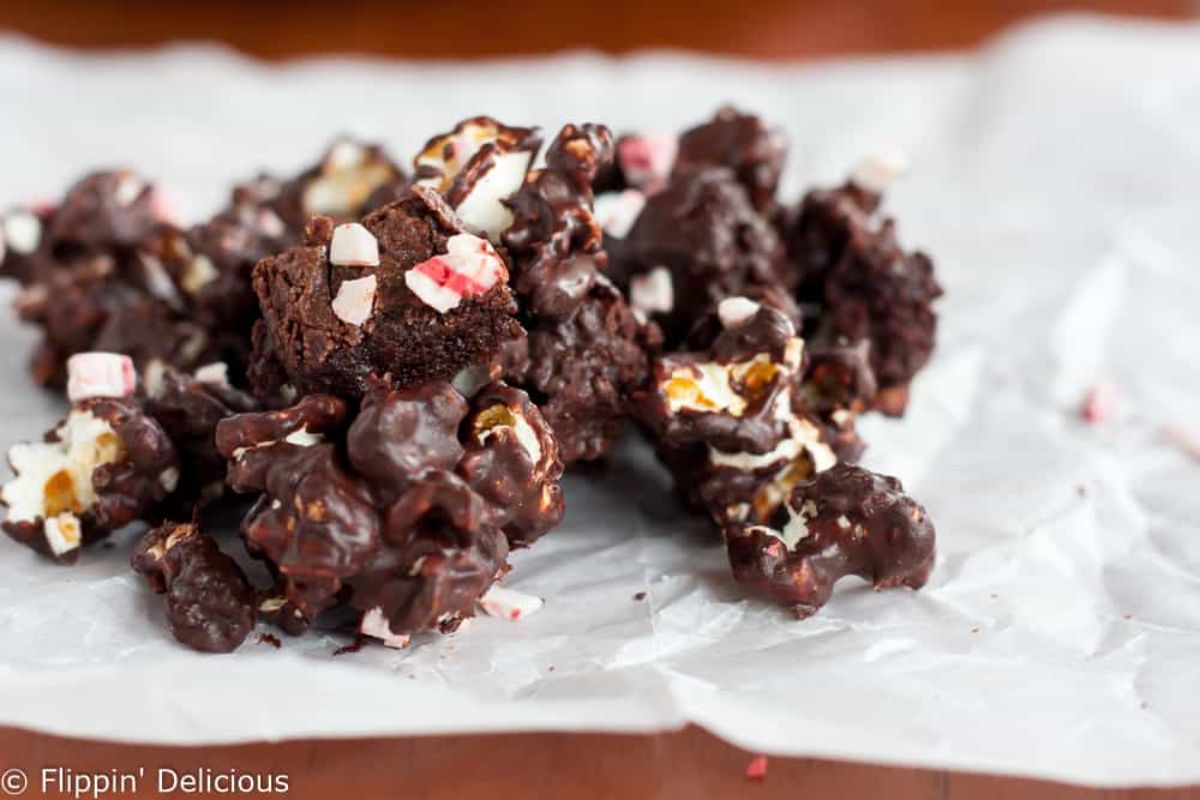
<point>846,521</point>
<point>407,293</point>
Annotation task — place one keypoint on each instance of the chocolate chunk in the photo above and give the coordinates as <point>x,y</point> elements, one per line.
<point>210,604</point>
<point>742,143</point>
<point>438,301</point>
<point>838,386</point>
<point>703,230</point>
<point>106,464</point>
<point>847,521</point>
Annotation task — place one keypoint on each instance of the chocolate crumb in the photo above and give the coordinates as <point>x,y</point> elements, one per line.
<point>358,644</point>
<point>640,596</point>
<point>273,641</point>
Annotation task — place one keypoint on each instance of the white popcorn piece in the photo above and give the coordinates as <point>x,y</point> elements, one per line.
<point>198,273</point>
<point>375,625</point>
<point>617,211</point>
<point>470,267</point>
<point>53,479</point>
<point>355,300</point>
<point>348,177</point>
<point>879,172</point>
<point>158,281</point>
<point>63,533</point>
<point>508,604</point>
<point>353,246</point>
<point>733,311</point>
<point>652,292</point>
<point>500,417</point>
<point>483,211</point>
<point>705,387</point>
<point>98,374</point>
<point>22,232</point>
<point>270,223</point>
<point>445,156</point>
<point>216,373</point>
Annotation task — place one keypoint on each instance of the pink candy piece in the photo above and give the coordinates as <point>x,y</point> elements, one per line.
<point>470,267</point>
<point>100,375</point>
<point>507,604</point>
<point>1099,404</point>
<point>646,161</point>
<point>757,769</point>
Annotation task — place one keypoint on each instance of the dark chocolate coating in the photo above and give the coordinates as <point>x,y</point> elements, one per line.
<point>838,386</point>
<point>441,550</point>
<point>210,604</point>
<point>404,338</point>
<point>704,230</point>
<point>400,434</point>
<point>499,467</point>
<point>857,523</point>
<point>744,144</point>
<point>581,371</point>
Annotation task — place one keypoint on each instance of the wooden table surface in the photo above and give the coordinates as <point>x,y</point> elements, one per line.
<point>690,764</point>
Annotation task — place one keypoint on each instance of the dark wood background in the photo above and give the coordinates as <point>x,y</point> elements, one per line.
<point>691,764</point>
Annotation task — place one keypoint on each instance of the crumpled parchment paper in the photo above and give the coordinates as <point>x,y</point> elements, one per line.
<point>1054,178</point>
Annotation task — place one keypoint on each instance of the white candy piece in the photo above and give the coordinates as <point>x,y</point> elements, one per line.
<point>129,188</point>
<point>100,375</point>
<point>617,211</point>
<point>355,301</point>
<point>652,292</point>
<point>22,232</point>
<point>877,173</point>
<point>508,604</point>
<point>733,311</point>
<point>159,282</point>
<point>353,246</point>
<point>483,211</point>
<point>216,373</point>
<point>375,625</point>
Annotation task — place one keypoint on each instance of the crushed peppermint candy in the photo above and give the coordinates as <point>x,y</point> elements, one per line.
<point>733,311</point>
<point>756,770</point>
<point>470,267</point>
<point>508,604</point>
<point>646,161</point>
<point>877,173</point>
<point>353,246</point>
<point>355,300</point>
<point>97,374</point>
<point>652,292</point>
<point>1099,404</point>
<point>617,211</point>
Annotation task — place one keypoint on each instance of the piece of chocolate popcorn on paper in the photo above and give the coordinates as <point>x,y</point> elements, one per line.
<point>103,466</point>
<point>846,521</point>
<point>730,421</point>
<point>210,604</point>
<point>407,293</point>
<point>315,522</point>
<point>442,548</point>
<point>742,143</point>
<point>859,284</point>
<point>694,244</point>
<point>478,167</point>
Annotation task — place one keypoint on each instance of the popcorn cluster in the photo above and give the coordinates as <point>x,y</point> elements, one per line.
<point>389,374</point>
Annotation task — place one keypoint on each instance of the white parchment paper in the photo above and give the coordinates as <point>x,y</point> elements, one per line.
<point>1055,179</point>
